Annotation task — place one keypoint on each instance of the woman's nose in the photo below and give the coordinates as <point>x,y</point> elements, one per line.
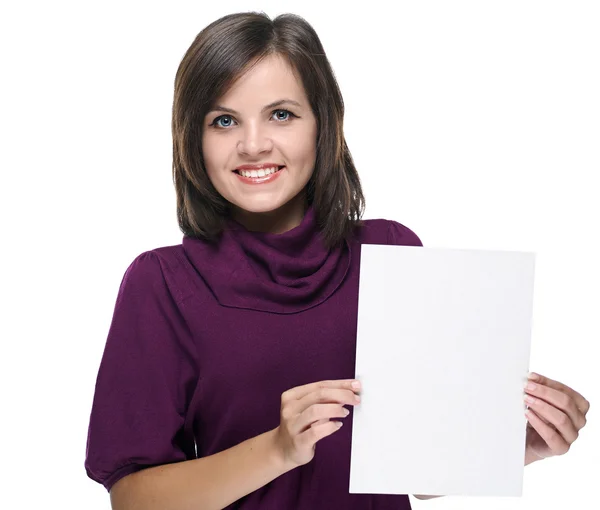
<point>254,140</point>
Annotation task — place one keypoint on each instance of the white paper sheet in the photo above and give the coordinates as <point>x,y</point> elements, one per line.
<point>443,351</point>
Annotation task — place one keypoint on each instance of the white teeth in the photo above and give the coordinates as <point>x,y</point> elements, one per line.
<point>258,173</point>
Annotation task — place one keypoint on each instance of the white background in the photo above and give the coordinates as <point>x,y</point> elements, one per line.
<point>476,124</point>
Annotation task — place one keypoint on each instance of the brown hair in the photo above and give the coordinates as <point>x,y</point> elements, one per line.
<point>220,53</point>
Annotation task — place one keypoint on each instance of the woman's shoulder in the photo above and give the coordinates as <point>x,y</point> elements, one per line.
<point>382,231</point>
<point>162,265</point>
<point>161,259</point>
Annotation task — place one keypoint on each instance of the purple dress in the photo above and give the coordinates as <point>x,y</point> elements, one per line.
<point>205,339</point>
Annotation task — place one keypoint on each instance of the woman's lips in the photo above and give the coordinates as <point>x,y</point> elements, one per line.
<point>259,180</point>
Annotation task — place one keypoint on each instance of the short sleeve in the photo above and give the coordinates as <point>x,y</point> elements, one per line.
<point>399,234</point>
<point>145,379</point>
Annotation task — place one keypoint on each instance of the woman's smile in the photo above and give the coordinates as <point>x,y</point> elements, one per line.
<point>261,176</point>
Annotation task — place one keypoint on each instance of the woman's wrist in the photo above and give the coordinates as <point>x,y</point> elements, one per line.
<point>277,454</point>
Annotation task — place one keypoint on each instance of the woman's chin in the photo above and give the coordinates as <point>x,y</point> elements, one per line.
<point>256,206</point>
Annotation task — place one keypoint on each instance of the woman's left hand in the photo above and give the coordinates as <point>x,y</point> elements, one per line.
<point>556,415</point>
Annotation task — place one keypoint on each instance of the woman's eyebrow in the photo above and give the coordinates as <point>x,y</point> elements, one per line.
<point>267,107</point>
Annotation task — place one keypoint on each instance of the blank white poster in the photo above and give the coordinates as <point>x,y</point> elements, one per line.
<point>443,348</point>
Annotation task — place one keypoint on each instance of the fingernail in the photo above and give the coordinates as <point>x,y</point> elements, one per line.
<point>530,386</point>
<point>356,385</point>
<point>533,376</point>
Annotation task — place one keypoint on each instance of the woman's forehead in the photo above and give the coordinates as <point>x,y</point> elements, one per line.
<point>271,79</point>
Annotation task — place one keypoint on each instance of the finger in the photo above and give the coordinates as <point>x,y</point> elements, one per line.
<point>317,413</point>
<point>560,400</point>
<point>301,391</point>
<point>561,422</point>
<point>325,396</point>
<point>318,432</point>
<point>320,422</point>
<point>552,437</point>
<point>541,418</point>
<point>582,404</point>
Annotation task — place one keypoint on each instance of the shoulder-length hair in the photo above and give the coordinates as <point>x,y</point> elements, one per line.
<point>219,55</point>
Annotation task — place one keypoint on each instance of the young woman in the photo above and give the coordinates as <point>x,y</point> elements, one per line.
<point>229,364</point>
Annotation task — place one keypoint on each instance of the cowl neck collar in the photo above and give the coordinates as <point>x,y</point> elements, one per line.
<point>278,273</point>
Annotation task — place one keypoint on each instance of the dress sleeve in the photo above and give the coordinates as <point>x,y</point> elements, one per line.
<point>400,235</point>
<point>146,377</point>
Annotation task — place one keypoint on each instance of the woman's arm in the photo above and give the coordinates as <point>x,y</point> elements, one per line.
<point>208,483</point>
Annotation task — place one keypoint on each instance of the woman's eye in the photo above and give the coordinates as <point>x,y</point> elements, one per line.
<point>227,120</point>
<point>283,111</point>
<point>216,121</point>
<point>288,116</point>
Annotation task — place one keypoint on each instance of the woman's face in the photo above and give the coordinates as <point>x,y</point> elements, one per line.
<point>248,128</point>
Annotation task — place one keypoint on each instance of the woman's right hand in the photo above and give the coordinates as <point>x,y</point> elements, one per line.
<point>305,417</point>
